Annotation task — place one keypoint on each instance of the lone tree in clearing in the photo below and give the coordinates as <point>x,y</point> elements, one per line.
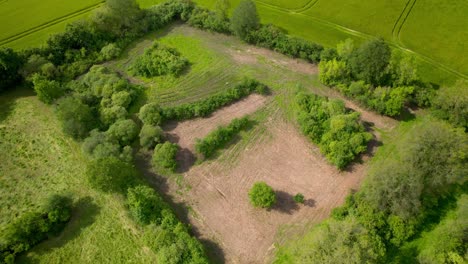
<point>262,195</point>
<point>245,18</point>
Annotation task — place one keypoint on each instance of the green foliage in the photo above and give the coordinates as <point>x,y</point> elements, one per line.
<point>333,72</point>
<point>110,174</point>
<point>370,60</point>
<point>451,104</point>
<point>10,64</point>
<point>102,145</point>
<point>164,156</point>
<point>214,21</point>
<point>150,114</point>
<point>245,18</point>
<point>272,37</point>
<point>35,226</point>
<point>159,60</point>
<point>144,204</point>
<point>340,135</point>
<point>150,136</point>
<point>262,195</point>
<point>110,51</point>
<point>207,106</point>
<point>446,243</point>
<point>47,90</point>
<point>299,198</point>
<point>336,242</point>
<point>77,118</point>
<point>218,138</point>
<point>405,187</point>
<point>124,131</point>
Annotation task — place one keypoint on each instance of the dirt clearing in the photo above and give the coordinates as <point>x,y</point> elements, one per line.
<point>280,156</point>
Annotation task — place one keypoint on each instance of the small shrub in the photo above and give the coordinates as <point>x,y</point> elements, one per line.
<point>164,156</point>
<point>262,195</point>
<point>245,18</point>
<point>47,90</point>
<point>150,136</point>
<point>144,204</point>
<point>299,198</point>
<point>110,51</point>
<point>218,138</point>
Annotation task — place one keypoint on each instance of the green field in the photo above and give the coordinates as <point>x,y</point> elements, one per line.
<point>421,27</point>
<point>39,160</point>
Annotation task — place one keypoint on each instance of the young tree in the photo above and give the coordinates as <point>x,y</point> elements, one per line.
<point>150,136</point>
<point>150,114</point>
<point>124,131</point>
<point>262,195</point>
<point>47,90</point>
<point>221,9</point>
<point>144,205</point>
<point>245,18</point>
<point>164,156</point>
<point>299,198</point>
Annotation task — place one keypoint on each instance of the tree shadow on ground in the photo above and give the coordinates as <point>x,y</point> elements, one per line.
<point>285,203</point>
<point>83,215</point>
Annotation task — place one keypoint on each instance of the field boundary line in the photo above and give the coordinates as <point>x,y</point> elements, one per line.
<point>49,24</point>
<point>363,35</point>
<point>308,5</point>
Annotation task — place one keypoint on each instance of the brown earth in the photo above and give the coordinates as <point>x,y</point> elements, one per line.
<point>280,156</point>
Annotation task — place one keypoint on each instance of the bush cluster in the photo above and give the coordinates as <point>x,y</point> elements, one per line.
<point>110,174</point>
<point>33,227</point>
<point>164,234</point>
<point>159,60</point>
<point>339,134</point>
<point>208,20</point>
<point>381,79</point>
<point>207,106</point>
<point>218,138</point>
<point>272,37</point>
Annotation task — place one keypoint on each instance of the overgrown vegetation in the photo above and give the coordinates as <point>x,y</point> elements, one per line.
<point>327,123</point>
<point>33,227</point>
<point>218,138</point>
<point>159,60</point>
<point>404,194</point>
<point>262,195</point>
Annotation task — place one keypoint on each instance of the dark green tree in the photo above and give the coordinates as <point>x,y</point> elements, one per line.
<point>150,136</point>
<point>164,156</point>
<point>124,131</point>
<point>10,64</point>
<point>110,174</point>
<point>451,104</point>
<point>245,18</point>
<point>77,118</point>
<point>369,62</point>
<point>47,90</point>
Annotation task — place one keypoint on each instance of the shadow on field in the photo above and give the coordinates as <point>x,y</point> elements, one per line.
<point>83,215</point>
<point>160,184</point>
<point>8,100</point>
<point>285,203</point>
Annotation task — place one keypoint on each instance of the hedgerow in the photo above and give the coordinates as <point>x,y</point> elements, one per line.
<point>33,227</point>
<point>207,106</point>
<point>159,60</point>
<point>339,134</point>
<point>207,146</point>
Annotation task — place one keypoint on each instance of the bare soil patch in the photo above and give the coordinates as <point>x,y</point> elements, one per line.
<point>286,161</point>
<point>185,133</point>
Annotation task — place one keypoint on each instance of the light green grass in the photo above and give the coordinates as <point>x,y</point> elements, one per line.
<point>37,160</point>
<point>439,29</point>
<point>17,17</point>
